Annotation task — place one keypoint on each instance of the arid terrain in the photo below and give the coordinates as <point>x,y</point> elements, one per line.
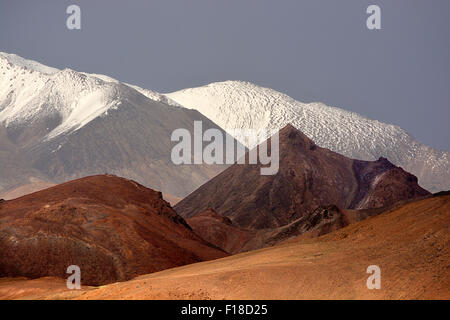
<point>314,188</point>
<point>111,227</point>
<point>221,231</point>
<point>227,151</point>
<point>308,177</point>
<point>409,244</point>
<point>322,220</point>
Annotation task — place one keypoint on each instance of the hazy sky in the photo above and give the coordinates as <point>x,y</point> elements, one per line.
<point>313,50</point>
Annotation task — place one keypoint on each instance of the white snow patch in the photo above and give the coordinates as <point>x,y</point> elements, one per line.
<point>26,63</point>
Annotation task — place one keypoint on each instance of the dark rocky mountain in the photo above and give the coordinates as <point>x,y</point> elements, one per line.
<point>410,242</point>
<point>310,178</point>
<point>223,233</point>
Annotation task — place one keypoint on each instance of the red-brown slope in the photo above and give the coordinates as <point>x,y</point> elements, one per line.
<point>309,177</point>
<point>113,228</point>
<point>220,231</point>
<point>223,233</point>
<point>410,244</point>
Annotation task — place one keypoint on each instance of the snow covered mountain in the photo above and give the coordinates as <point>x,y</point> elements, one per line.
<point>57,125</point>
<point>235,104</point>
<point>30,91</point>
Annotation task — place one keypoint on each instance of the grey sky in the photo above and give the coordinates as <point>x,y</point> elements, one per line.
<point>315,50</point>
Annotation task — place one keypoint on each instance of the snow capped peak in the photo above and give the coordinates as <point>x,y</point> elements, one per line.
<point>16,61</point>
<point>31,92</point>
<point>244,105</point>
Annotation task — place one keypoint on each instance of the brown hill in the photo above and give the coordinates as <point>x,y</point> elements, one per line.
<point>223,233</point>
<point>220,231</point>
<point>113,228</point>
<point>309,177</point>
<point>409,244</point>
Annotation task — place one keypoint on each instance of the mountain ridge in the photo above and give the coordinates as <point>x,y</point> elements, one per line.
<point>308,177</point>
<point>240,104</point>
<point>229,105</point>
<point>59,125</point>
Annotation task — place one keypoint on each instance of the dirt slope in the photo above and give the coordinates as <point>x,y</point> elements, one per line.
<point>221,231</point>
<point>410,245</point>
<point>113,228</point>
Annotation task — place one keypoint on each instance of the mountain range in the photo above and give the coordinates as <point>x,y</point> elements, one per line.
<point>57,125</point>
<point>238,104</point>
<point>314,189</point>
<point>409,242</point>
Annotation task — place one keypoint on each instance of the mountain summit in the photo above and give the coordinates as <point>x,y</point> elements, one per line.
<point>309,177</point>
<point>237,104</point>
<point>57,125</point>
